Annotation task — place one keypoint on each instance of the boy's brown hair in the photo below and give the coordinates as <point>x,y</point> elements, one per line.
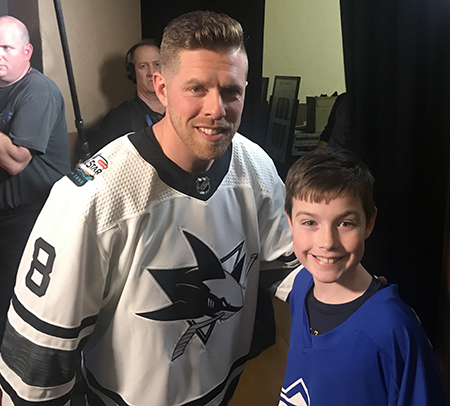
<point>325,174</point>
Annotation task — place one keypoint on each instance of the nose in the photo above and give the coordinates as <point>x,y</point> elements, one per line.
<point>214,105</point>
<point>327,238</point>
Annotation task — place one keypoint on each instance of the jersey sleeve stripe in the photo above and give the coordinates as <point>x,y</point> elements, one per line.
<point>93,398</point>
<point>284,288</point>
<point>17,400</point>
<point>47,328</point>
<point>287,258</point>
<point>273,274</point>
<point>22,394</point>
<point>35,336</point>
<point>51,367</point>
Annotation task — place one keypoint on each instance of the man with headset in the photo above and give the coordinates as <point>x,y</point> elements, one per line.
<point>141,62</point>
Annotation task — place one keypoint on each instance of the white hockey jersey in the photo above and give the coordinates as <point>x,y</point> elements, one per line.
<point>152,272</point>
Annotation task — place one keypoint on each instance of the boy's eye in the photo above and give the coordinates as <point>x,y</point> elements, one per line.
<point>346,224</point>
<point>309,223</point>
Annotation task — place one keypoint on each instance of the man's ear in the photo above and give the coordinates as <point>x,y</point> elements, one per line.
<point>370,224</point>
<point>28,50</point>
<point>160,86</point>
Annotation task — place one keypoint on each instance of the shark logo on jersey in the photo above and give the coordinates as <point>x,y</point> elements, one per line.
<point>192,291</point>
<point>295,395</point>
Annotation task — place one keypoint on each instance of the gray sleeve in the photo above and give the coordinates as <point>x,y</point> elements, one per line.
<point>36,115</point>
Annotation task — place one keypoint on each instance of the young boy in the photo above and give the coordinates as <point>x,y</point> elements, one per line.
<point>353,341</point>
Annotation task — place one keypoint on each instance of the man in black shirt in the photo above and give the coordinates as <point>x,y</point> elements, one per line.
<point>142,61</point>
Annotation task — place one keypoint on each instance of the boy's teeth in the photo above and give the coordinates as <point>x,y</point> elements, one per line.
<point>327,260</point>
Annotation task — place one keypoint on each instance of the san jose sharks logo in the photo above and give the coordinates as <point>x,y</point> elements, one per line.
<point>192,291</point>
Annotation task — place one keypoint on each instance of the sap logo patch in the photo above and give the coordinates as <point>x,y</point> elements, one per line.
<point>88,170</point>
<point>295,395</point>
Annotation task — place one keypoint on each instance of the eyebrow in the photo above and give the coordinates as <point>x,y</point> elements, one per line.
<point>235,87</point>
<point>344,214</point>
<point>202,82</point>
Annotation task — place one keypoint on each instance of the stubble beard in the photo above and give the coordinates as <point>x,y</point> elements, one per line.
<point>204,150</point>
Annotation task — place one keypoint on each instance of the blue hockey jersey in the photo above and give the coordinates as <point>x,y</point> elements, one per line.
<point>379,356</point>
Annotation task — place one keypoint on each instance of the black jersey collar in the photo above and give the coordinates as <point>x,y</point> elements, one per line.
<point>200,185</point>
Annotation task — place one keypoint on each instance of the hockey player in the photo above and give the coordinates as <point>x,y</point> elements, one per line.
<point>147,259</point>
<point>353,341</point>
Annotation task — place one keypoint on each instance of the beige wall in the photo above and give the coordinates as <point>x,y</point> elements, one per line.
<point>303,38</point>
<point>99,32</point>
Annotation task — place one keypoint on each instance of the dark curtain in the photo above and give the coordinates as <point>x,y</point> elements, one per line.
<point>156,15</point>
<point>397,65</point>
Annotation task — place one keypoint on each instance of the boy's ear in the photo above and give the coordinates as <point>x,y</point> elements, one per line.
<point>370,224</point>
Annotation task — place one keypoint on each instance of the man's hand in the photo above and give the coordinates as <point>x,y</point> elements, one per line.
<point>13,159</point>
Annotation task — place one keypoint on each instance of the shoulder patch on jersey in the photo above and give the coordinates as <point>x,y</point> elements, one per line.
<point>88,170</point>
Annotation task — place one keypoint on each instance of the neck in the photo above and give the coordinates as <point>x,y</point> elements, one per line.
<point>151,100</point>
<point>345,290</point>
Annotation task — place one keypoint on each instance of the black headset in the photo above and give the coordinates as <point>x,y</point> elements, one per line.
<point>129,65</point>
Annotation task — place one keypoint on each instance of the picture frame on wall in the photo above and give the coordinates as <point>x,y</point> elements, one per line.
<point>282,117</point>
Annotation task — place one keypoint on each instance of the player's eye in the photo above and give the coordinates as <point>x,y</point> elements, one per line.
<point>231,93</point>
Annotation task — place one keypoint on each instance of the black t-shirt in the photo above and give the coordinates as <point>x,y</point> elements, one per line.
<point>130,116</point>
<point>324,317</point>
<point>336,132</point>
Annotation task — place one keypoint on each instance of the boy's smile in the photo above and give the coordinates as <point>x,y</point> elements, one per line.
<point>329,241</point>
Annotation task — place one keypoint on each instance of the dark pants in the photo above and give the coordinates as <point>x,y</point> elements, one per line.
<point>15,227</point>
